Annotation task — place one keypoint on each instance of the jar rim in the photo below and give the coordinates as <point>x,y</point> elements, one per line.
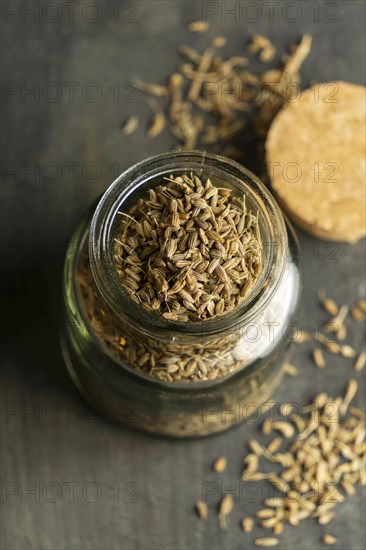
<point>198,162</point>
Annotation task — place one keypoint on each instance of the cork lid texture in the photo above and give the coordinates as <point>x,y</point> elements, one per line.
<point>315,153</point>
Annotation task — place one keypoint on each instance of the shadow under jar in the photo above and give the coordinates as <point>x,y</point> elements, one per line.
<point>118,354</point>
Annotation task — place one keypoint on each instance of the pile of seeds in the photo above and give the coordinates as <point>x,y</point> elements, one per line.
<point>322,454</point>
<point>336,332</point>
<point>327,456</point>
<point>207,99</point>
<point>188,251</point>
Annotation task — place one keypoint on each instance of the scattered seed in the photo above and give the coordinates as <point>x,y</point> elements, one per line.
<point>247,524</point>
<point>275,502</point>
<point>286,409</point>
<point>218,42</point>
<point>349,394</point>
<point>290,370</point>
<point>285,428</point>
<point>219,465</point>
<point>327,304</point>
<point>267,426</point>
<point>333,347</point>
<point>130,126</point>
<point>152,89</point>
<point>255,447</point>
<point>328,539</point>
<point>357,314</point>
<point>189,93</point>
<point>347,351</point>
<point>274,445</point>
<point>198,26</point>
<point>226,507</point>
<point>303,337</point>
<point>262,45</point>
<point>278,528</point>
<point>318,358</point>
<point>266,542</point>
<point>319,337</point>
<point>158,121</point>
<point>341,332</point>
<point>326,518</point>
<point>360,361</point>
<point>265,513</point>
<point>327,453</point>
<point>201,508</point>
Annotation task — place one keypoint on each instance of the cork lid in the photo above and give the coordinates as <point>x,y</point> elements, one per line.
<point>315,153</point>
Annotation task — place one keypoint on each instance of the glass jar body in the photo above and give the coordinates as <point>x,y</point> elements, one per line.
<point>248,356</point>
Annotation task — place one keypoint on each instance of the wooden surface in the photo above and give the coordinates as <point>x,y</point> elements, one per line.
<point>50,440</point>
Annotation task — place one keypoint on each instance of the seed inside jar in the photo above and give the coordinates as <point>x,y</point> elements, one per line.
<point>188,250</point>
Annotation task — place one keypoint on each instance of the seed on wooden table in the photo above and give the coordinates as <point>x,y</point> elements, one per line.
<point>278,528</point>
<point>327,304</point>
<point>265,513</point>
<point>303,337</point>
<point>198,26</point>
<point>255,447</point>
<point>247,524</point>
<point>286,409</point>
<point>319,337</point>
<point>321,399</point>
<point>269,523</point>
<point>284,427</point>
<point>219,465</point>
<point>360,361</point>
<point>290,370</point>
<point>267,426</point>
<point>201,508</point>
<point>350,392</point>
<point>226,507</point>
<point>326,518</point>
<point>347,351</point>
<point>335,324</point>
<point>218,42</point>
<point>130,126</point>
<point>357,314</point>
<point>341,332</point>
<point>157,122</point>
<point>266,542</point>
<point>251,460</point>
<point>348,487</point>
<point>275,502</point>
<point>328,539</point>
<point>151,89</point>
<point>274,445</point>
<point>279,483</point>
<point>318,358</point>
<point>333,347</point>
<point>261,44</point>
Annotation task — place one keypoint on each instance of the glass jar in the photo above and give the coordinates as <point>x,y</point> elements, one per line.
<point>107,339</point>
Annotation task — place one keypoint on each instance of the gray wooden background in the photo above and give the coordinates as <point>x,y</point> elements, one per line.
<point>70,480</point>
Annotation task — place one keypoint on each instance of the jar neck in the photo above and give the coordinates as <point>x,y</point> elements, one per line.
<point>121,195</point>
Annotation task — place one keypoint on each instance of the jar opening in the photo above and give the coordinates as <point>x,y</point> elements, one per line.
<point>124,192</point>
